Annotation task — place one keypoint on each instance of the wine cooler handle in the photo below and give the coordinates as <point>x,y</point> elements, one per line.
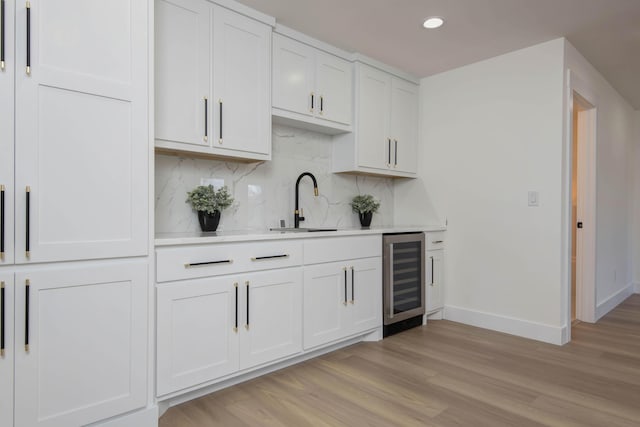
<point>391,281</point>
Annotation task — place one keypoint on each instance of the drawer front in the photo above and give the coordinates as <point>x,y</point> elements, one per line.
<point>332,249</point>
<point>189,262</point>
<point>435,240</point>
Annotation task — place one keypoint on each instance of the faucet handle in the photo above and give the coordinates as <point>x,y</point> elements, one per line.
<point>301,215</point>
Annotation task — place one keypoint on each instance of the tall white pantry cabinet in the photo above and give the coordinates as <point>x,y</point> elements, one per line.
<point>74,174</point>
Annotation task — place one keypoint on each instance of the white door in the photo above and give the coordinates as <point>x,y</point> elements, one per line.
<point>365,307</point>
<point>271,316</point>
<point>241,83</point>
<point>404,125</point>
<point>197,332</point>
<point>183,101</point>
<point>6,137</point>
<point>81,130</point>
<point>81,343</point>
<point>434,285</point>
<point>334,83</point>
<point>293,75</point>
<point>326,299</point>
<point>6,349</point>
<point>374,142</point>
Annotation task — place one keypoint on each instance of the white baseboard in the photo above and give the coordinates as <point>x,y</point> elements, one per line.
<point>612,302</point>
<point>510,325</point>
<point>147,417</point>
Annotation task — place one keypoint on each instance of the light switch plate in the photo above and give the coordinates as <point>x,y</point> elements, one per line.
<point>534,198</point>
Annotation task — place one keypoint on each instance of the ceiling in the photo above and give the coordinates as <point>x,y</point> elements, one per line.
<point>606,32</point>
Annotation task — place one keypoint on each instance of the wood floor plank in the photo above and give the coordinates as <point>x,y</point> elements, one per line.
<point>446,374</point>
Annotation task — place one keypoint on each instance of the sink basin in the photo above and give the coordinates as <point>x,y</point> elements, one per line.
<point>301,230</point>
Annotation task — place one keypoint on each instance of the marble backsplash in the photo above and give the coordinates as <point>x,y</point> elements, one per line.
<point>264,192</point>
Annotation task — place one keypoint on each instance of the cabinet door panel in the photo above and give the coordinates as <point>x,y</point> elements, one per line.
<point>81,131</point>
<point>373,118</point>
<point>196,337</point>
<point>404,124</point>
<point>182,71</point>
<point>293,74</point>
<point>435,280</point>
<point>275,316</point>
<point>325,311</point>
<point>242,82</point>
<point>334,82</point>
<point>7,135</point>
<point>87,351</point>
<point>6,358</point>
<point>366,295</point>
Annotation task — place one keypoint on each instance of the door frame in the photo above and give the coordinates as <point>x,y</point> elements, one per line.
<point>579,91</point>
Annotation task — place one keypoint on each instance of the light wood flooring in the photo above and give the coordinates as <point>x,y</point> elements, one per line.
<point>446,374</point>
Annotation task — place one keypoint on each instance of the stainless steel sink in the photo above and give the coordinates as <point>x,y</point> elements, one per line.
<point>301,230</point>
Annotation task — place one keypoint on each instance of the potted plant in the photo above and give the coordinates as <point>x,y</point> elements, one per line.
<point>209,202</point>
<point>365,205</point>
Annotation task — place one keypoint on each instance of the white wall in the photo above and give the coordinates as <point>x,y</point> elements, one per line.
<point>614,184</point>
<point>492,131</point>
<point>635,237</point>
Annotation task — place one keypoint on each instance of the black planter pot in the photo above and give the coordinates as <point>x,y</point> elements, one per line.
<point>365,218</point>
<point>209,221</point>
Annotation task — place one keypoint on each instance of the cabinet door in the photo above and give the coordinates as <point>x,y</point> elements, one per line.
<point>272,316</point>
<point>404,125</point>
<point>197,333</point>
<point>365,303</point>
<point>326,299</point>
<point>6,137</point>
<point>6,349</point>
<point>374,143</point>
<point>435,280</point>
<point>182,71</point>
<point>81,130</point>
<point>293,75</point>
<point>334,83</point>
<point>241,84</point>
<point>81,343</point>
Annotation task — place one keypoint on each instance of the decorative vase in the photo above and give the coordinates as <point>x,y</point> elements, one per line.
<point>209,221</point>
<point>365,218</point>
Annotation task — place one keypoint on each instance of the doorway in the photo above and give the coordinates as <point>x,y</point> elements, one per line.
<point>583,219</point>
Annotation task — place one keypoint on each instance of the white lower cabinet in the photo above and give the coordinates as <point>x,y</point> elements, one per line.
<point>80,344</point>
<point>435,272</point>
<point>213,327</point>
<point>341,299</point>
<point>6,349</point>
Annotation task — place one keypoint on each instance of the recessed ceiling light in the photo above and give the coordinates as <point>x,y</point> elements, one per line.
<point>433,22</point>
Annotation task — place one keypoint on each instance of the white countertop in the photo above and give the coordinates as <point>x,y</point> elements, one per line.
<point>172,239</point>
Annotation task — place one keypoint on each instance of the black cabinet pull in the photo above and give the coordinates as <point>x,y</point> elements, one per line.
<point>27,284</point>
<point>206,118</point>
<point>395,158</point>
<point>28,38</point>
<point>389,154</point>
<point>235,328</point>
<point>2,320</point>
<point>1,222</point>
<point>2,35</point>
<point>312,105</point>
<point>27,245</point>
<point>345,285</point>
<point>206,263</point>
<point>431,272</point>
<point>220,124</point>
<point>353,286</point>
<point>321,104</point>
<point>247,325</point>
<point>262,258</point>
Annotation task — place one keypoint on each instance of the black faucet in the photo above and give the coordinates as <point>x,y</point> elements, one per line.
<point>297,217</point>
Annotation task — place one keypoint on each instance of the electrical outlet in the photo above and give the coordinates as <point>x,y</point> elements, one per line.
<point>533,198</point>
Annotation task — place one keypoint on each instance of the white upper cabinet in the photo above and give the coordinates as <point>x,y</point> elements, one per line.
<point>212,81</point>
<point>385,140</point>
<point>6,137</point>
<point>311,88</point>
<point>81,130</point>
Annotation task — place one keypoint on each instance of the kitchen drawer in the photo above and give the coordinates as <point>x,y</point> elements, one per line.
<point>435,240</point>
<point>190,262</point>
<point>332,249</point>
